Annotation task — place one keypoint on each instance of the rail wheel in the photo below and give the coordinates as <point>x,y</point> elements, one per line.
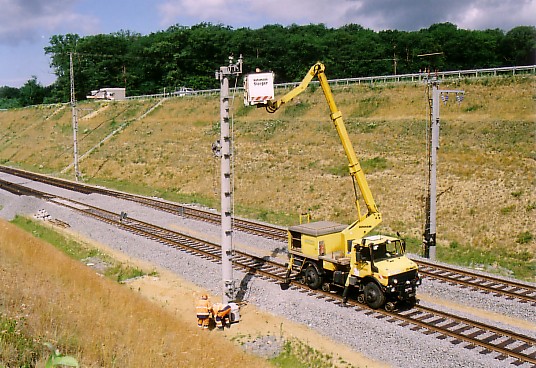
<point>410,303</point>
<point>390,306</point>
<point>313,278</point>
<point>373,295</point>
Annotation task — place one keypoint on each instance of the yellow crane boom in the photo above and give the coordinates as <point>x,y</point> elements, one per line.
<point>366,221</point>
<point>323,254</point>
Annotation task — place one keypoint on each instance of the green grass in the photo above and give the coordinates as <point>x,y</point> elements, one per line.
<point>367,106</point>
<point>296,109</point>
<point>242,110</point>
<point>172,194</point>
<point>375,164</point>
<point>272,217</point>
<point>297,354</point>
<point>339,170</point>
<point>287,359</point>
<point>76,250</point>
<point>271,127</point>
<point>17,348</point>
<point>413,245</point>
<point>120,273</point>
<point>524,237</point>
<point>355,126</point>
<point>68,246</point>
<point>371,165</point>
<point>518,264</point>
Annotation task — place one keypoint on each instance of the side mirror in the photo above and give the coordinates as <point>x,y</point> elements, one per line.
<point>349,246</point>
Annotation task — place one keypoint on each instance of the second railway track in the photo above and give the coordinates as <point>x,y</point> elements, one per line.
<point>484,283</point>
<point>502,343</point>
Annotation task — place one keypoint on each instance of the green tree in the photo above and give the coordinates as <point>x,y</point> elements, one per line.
<point>60,48</point>
<point>9,97</point>
<point>519,46</point>
<point>32,92</point>
<point>188,56</point>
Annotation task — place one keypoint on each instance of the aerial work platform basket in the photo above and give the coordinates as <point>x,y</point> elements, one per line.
<point>258,88</point>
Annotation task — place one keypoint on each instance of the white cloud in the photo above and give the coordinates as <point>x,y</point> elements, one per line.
<point>374,14</point>
<point>498,14</point>
<point>26,20</point>
<point>245,13</point>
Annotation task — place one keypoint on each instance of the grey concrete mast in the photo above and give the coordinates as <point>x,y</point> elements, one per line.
<point>223,76</point>
<point>433,147</point>
<point>74,112</point>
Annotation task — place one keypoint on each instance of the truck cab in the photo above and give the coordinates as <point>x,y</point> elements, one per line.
<point>382,260</point>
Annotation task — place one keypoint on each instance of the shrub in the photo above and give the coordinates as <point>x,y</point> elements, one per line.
<point>524,237</point>
<point>507,210</point>
<point>517,193</point>
<point>375,164</point>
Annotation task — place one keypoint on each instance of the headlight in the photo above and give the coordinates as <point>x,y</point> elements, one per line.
<point>395,281</point>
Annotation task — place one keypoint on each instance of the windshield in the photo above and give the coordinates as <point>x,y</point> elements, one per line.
<point>387,250</point>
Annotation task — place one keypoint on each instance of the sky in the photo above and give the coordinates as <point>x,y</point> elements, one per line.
<point>27,25</point>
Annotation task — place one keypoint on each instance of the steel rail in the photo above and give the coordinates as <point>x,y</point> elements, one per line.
<point>510,289</point>
<point>476,281</point>
<point>275,271</point>
<point>461,325</point>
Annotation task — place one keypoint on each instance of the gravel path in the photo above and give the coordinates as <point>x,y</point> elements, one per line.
<point>381,340</point>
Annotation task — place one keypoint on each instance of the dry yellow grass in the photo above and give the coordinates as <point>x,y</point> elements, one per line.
<point>284,161</point>
<point>101,323</point>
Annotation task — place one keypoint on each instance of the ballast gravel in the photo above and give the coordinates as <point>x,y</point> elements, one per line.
<point>374,337</point>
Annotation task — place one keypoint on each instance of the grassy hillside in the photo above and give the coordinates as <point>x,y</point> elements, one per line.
<point>292,161</point>
<point>48,297</point>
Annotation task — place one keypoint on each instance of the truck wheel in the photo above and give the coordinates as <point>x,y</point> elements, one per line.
<point>313,278</point>
<point>373,295</point>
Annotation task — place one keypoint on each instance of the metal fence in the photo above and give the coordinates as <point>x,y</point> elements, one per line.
<point>413,77</point>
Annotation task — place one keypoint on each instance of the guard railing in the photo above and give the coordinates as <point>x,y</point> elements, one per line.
<point>412,77</point>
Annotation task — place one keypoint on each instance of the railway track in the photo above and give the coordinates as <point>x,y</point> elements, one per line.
<point>502,343</point>
<point>251,227</point>
<point>485,284</point>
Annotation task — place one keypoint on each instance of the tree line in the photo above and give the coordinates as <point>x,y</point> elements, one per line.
<point>189,56</point>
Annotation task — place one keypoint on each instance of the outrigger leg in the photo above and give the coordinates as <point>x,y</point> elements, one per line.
<point>346,290</point>
<point>286,282</point>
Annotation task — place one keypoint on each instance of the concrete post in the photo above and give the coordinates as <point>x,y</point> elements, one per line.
<point>74,112</point>
<point>430,233</point>
<point>226,187</point>
<point>431,202</point>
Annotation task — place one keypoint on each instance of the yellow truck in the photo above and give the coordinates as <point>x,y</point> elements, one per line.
<point>370,268</point>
